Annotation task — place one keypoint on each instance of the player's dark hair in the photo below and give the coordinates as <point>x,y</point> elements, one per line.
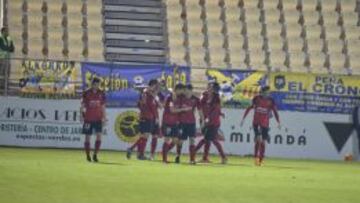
<point>189,87</point>
<point>95,80</point>
<point>216,87</point>
<point>153,82</point>
<point>179,86</point>
<point>265,88</point>
<point>3,29</point>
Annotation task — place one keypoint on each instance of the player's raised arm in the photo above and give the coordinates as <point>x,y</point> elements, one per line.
<point>199,110</point>
<point>247,111</point>
<point>143,98</point>
<point>276,114</point>
<point>82,107</point>
<point>103,105</point>
<point>178,92</point>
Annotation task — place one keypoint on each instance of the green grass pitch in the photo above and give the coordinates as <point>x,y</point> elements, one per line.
<point>51,176</point>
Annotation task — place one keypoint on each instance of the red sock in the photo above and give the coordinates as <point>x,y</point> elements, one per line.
<point>199,145</point>
<point>206,150</point>
<point>262,150</point>
<point>178,149</point>
<point>87,148</point>
<point>257,146</point>
<point>192,152</point>
<point>97,146</point>
<point>142,146</point>
<point>153,145</point>
<point>219,148</point>
<point>165,149</point>
<point>136,144</point>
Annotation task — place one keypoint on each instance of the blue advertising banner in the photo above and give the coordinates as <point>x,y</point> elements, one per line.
<point>121,82</point>
<point>238,87</point>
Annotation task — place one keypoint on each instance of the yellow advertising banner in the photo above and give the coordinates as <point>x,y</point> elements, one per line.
<point>315,92</point>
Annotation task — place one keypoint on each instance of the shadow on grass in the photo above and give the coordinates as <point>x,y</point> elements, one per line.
<point>286,167</point>
<point>212,164</point>
<point>110,163</point>
<point>199,164</point>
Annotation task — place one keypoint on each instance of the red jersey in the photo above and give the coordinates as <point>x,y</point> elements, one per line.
<point>213,110</point>
<point>168,117</point>
<point>188,117</point>
<point>93,102</point>
<point>148,106</point>
<point>263,106</point>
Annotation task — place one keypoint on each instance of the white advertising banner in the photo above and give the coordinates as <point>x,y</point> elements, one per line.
<point>50,123</point>
<point>302,135</point>
<point>55,123</point>
<point>40,123</point>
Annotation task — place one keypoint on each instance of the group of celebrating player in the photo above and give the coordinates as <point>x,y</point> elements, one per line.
<point>179,120</point>
<point>181,108</point>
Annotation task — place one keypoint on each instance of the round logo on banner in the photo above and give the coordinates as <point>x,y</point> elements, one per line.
<point>127,126</point>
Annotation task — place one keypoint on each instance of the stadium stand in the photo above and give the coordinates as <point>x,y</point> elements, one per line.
<point>55,30</point>
<point>319,36</point>
<point>297,35</point>
<point>134,31</point>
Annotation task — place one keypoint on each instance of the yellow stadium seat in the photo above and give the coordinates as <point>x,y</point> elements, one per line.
<point>311,17</point>
<point>275,43</point>
<point>335,46</point>
<point>272,15</point>
<point>309,5</point>
<point>232,13</point>
<point>328,5</point>
<point>195,27</point>
<point>270,5</point>
<point>196,40</point>
<point>330,18</point>
<point>252,15</point>
<point>291,17</point>
<point>315,45</point>
<point>337,63</point>
<point>277,59</point>
<point>350,18</point>
<point>253,29</point>
<point>236,42</point>
<point>297,62</point>
<point>255,44</point>
<point>317,61</point>
<point>354,48</point>
<point>177,55</point>
<point>234,28</point>
<point>332,32</point>
<point>217,58</point>
<point>214,26</point>
<point>273,29</point>
<point>197,57</point>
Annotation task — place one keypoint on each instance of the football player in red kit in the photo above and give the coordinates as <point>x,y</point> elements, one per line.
<point>263,106</point>
<point>93,116</point>
<point>203,99</point>
<point>160,100</point>
<point>187,127</point>
<point>170,121</point>
<point>212,122</point>
<point>149,117</point>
